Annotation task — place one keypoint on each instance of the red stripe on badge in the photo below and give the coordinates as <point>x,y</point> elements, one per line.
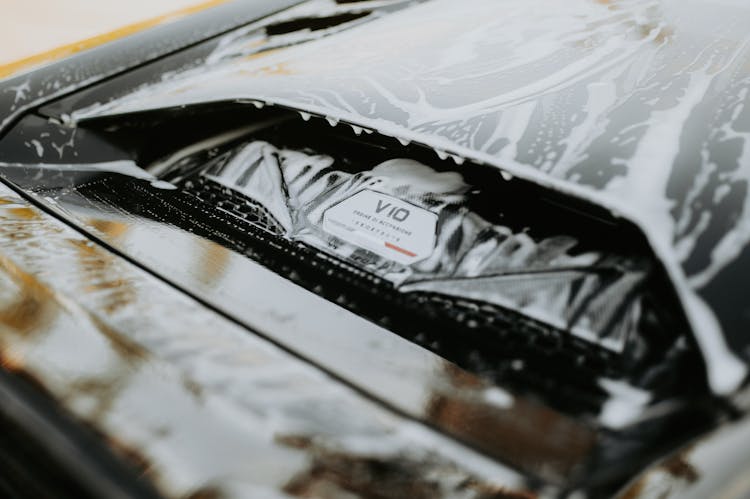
<point>400,250</point>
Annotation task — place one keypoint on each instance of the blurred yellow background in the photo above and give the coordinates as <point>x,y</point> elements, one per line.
<point>36,31</point>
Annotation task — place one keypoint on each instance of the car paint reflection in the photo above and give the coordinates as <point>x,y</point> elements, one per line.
<point>193,398</point>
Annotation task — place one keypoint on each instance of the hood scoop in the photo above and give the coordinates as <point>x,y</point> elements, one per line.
<point>419,229</point>
<point>521,284</point>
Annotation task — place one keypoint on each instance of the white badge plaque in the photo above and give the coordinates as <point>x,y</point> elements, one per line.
<point>385,225</point>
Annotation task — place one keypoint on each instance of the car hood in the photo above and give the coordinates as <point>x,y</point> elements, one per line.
<point>637,105</point>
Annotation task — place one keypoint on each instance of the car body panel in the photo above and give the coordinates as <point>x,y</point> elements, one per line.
<point>190,398</point>
<point>714,465</point>
<point>146,291</point>
<point>630,104</point>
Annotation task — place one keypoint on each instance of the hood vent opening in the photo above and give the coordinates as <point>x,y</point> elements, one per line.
<point>504,278</point>
<point>517,283</point>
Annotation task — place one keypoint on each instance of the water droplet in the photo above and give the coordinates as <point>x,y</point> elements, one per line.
<point>404,142</point>
<point>332,121</point>
<point>506,175</point>
<point>305,116</point>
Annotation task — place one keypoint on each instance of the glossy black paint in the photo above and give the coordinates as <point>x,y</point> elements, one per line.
<point>168,225</point>
<point>632,104</point>
<point>94,203</point>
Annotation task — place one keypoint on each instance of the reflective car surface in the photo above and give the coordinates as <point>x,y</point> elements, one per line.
<point>384,249</point>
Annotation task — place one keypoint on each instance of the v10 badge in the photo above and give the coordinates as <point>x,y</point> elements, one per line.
<point>385,225</point>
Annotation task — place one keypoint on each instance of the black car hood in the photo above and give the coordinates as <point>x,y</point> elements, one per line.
<point>635,105</point>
